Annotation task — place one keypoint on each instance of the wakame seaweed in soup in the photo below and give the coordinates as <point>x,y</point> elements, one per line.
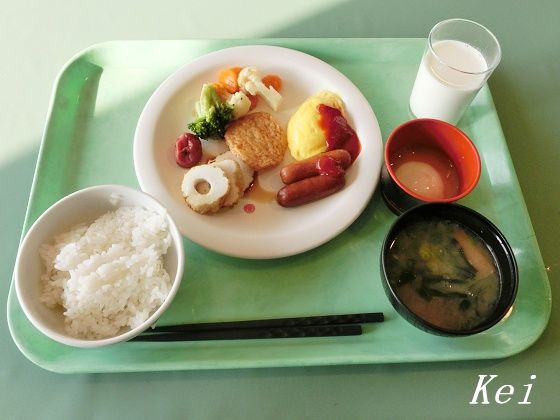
<point>444,273</point>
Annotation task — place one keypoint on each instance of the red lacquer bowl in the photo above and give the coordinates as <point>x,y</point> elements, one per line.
<point>435,135</point>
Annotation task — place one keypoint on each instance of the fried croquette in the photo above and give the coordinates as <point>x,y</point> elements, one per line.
<point>257,139</point>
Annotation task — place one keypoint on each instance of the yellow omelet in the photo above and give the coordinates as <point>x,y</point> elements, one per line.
<point>306,138</point>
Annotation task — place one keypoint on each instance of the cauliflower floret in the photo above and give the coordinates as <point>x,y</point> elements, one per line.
<point>241,104</point>
<point>250,81</point>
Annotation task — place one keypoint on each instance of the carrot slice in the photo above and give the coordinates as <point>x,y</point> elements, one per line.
<point>274,81</point>
<point>221,89</point>
<point>228,77</point>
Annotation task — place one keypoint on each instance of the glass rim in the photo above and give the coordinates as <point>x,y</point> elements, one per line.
<point>484,28</point>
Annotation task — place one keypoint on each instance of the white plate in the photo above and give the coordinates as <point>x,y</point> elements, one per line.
<point>270,231</point>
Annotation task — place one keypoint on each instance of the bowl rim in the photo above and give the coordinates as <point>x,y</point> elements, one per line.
<point>467,190</point>
<point>127,334</point>
<point>420,322</point>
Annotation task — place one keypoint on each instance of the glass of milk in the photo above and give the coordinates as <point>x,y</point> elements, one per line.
<point>460,57</point>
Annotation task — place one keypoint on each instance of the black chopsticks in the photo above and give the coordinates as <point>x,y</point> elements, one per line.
<point>254,333</point>
<point>314,326</point>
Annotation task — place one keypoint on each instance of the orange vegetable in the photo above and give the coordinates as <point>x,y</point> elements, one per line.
<point>274,81</point>
<point>228,77</point>
<point>221,89</point>
<point>254,101</point>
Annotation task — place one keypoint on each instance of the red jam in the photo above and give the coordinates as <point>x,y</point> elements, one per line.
<point>339,133</point>
<point>330,167</point>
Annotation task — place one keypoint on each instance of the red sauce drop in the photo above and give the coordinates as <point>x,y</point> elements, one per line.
<point>339,133</point>
<point>249,208</point>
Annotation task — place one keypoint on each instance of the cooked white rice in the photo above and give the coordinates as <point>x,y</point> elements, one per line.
<point>109,275</point>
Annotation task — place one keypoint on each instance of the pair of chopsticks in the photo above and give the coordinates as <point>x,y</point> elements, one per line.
<point>312,326</point>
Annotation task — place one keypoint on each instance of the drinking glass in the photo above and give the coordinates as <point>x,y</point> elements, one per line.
<point>459,58</point>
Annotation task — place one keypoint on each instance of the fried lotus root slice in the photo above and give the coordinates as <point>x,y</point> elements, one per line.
<point>205,188</point>
<point>233,174</point>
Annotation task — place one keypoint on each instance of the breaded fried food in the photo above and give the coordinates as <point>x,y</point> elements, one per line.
<point>257,139</point>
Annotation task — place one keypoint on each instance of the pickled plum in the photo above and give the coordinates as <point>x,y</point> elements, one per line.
<point>188,150</point>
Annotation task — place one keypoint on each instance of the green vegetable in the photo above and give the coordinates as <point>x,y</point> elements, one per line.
<point>213,114</point>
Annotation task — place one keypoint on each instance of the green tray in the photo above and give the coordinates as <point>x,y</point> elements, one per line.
<point>88,140</point>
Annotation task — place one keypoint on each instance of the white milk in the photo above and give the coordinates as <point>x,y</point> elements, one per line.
<point>444,93</point>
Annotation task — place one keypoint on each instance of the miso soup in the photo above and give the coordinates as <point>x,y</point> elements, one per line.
<point>444,273</point>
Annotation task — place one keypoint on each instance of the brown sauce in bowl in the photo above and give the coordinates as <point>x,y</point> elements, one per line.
<point>444,273</point>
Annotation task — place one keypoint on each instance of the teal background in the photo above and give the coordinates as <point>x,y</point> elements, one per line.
<point>38,38</point>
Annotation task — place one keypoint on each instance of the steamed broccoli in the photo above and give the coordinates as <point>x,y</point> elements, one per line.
<point>213,114</point>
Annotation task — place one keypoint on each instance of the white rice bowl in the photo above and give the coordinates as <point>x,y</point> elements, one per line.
<point>108,276</point>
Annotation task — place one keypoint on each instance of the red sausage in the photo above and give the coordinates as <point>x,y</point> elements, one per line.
<point>308,189</point>
<point>307,168</point>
